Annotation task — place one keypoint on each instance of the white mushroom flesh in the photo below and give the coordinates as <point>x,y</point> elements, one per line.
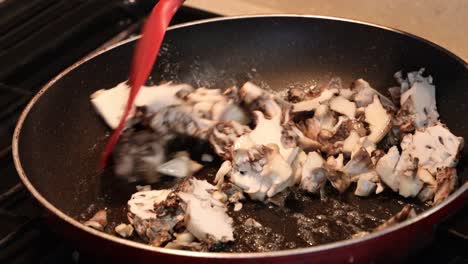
<point>142,203</point>
<point>418,98</point>
<point>297,166</point>
<point>378,119</point>
<point>206,217</point>
<point>313,174</point>
<point>385,167</point>
<point>179,167</point>
<point>325,117</point>
<point>435,147</point>
<point>351,143</point>
<point>343,106</point>
<point>365,186</point>
<point>312,104</point>
<point>263,177</point>
<point>110,103</point>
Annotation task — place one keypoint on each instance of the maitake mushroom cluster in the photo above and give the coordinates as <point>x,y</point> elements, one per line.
<point>329,134</point>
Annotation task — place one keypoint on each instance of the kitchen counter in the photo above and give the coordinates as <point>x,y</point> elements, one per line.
<point>441,21</point>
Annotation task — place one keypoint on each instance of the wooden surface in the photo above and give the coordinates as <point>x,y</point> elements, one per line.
<point>444,22</point>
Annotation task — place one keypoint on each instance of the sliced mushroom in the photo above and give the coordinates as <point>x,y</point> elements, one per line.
<point>98,221</point>
<point>435,148</point>
<point>310,128</point>
<point>313,174</point>
<point>141,204</point>
<point>296,95</point>
<point>418,100</point>
<point>124,230</point>
<point>343,106</point>
<point>360,163</point>
<point>338,179</point>
<point>385,168</point>
<point>184,240</point>
<point>137,156</point>
<point>269,131</point>
<point>325,117</point>
<point>261,171</point>
<point>364,92</point>
<point>225,168</point>
<point>298,165</point>
<point>366,184</point>
<point>111,102</point>
<point>179,167</point>
<point>427,193</point>
<point>426,177</point>
<point>313,104</point>
<point>406,169</point>
<point>351,143</point>
<point>407,212</point>
<point>252,222</point>
<point>378,119</point>
<point>205,216</point>
<point>446,183</point>
<point>154,215</point>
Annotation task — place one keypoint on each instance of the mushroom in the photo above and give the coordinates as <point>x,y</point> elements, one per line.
<point>252,222</point>
<point>325,117</point>
<point>351,143</point>
<point>226,135</point>
<point>184,240</point>
<point>366,184</point>
<point>312,104</point>
<point>179,167</point>
<point>256,99</point>
<point>179,119</point>
<point>137,156</point>
<point>378,119</point>
<point>385,168</point>
<point>269,131</point>
<point>298,165</point>
<point>110,103</point>
<point>427,193</point>
<point>360,163</point>
<point>98,221</point>
<point>365,95</point>
<point>364,92</point>
<point>446,182</point>
<point>338,179</point>
<point>407,212</point>
<point>261,162</point>
<point>313,174</point>
<point>124,230</point>
<point>141,204</point>
<point>399,172</point>
<point>154,215</point>
<point>223,170</point>
<point>409,182</point>
<point>395,94</point>
<point>417,100</point>
<point>435,147</point>
<point>343,106</point>
<point>296,95</point>
<point>261,171</point>
<point>310,128</point>
<point>214,105</point>
<point>205,216</point>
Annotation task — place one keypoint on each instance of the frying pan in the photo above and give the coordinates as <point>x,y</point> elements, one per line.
<point>59,137</point>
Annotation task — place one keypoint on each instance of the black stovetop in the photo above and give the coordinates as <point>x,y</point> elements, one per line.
<point>38,39</point>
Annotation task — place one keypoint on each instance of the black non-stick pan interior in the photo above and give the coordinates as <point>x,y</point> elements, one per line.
<point>62,137</point>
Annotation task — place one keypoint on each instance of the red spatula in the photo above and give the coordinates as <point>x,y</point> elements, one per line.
<point>146,51</point>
